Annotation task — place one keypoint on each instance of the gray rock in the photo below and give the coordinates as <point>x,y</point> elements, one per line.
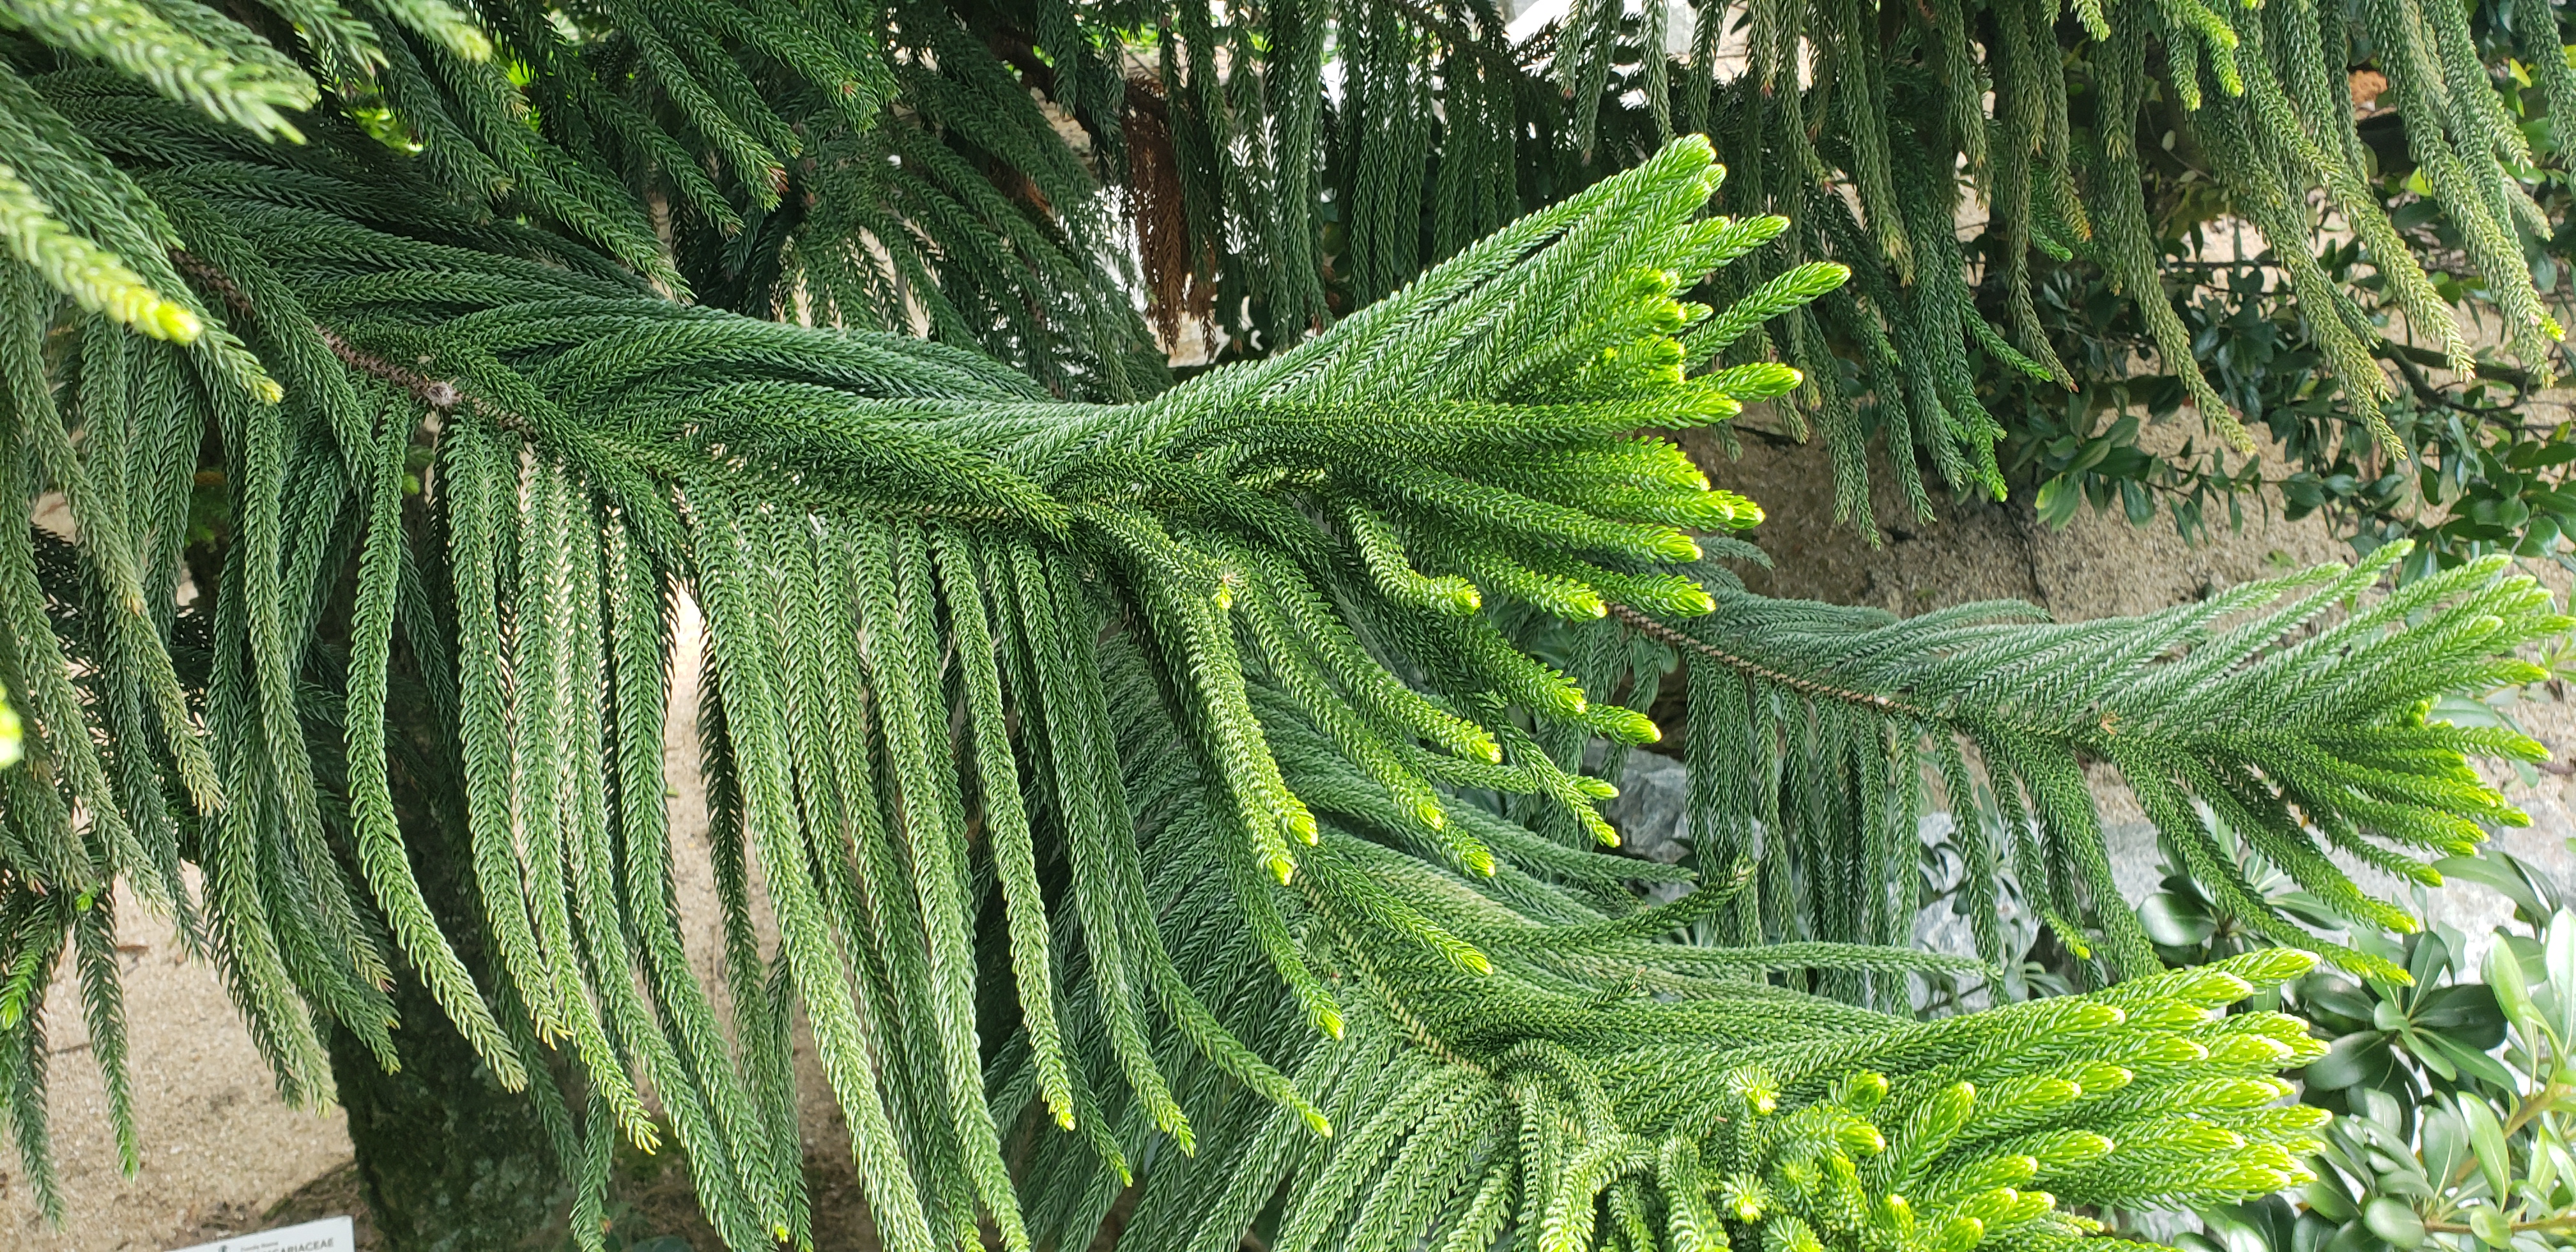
<point>1652,809</point>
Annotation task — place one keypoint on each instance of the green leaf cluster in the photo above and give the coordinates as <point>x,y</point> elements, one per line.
<point>2451,1100</point>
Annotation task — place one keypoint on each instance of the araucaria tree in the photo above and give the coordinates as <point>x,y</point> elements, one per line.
<point>1136,799</point>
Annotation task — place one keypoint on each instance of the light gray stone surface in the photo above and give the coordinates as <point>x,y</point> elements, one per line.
<point>1652,809</point>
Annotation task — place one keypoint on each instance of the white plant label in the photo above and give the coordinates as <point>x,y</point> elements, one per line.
<point>331,1234</point>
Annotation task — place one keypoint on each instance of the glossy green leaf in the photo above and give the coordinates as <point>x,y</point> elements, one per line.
<point>2176,921</point>
<point>2447,1150</point>
<point>2358,1059</point>
<point>2486,1140</point>
<point>2394,1221</point>
<point>2562,970</point>
<point>2491,1227</point>
<point>2465,1012</point>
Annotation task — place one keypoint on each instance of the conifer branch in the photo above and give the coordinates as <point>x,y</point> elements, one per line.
<point>1226,658</point>
<point>1669,637</point>
<point>439,394</point>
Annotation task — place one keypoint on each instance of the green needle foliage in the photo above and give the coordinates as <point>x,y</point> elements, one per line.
<point>1125,768</point>
<point>1286,163</point>
<point>2280,710</point>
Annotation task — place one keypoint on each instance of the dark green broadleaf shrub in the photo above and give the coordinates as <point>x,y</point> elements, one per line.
<point>2454,1096</point>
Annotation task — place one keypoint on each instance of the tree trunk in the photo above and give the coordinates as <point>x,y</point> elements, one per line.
<point>449,1160</point>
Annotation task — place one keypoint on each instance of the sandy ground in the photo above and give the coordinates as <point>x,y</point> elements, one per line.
<point>217,1146</point>
<point>221,1155</point>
